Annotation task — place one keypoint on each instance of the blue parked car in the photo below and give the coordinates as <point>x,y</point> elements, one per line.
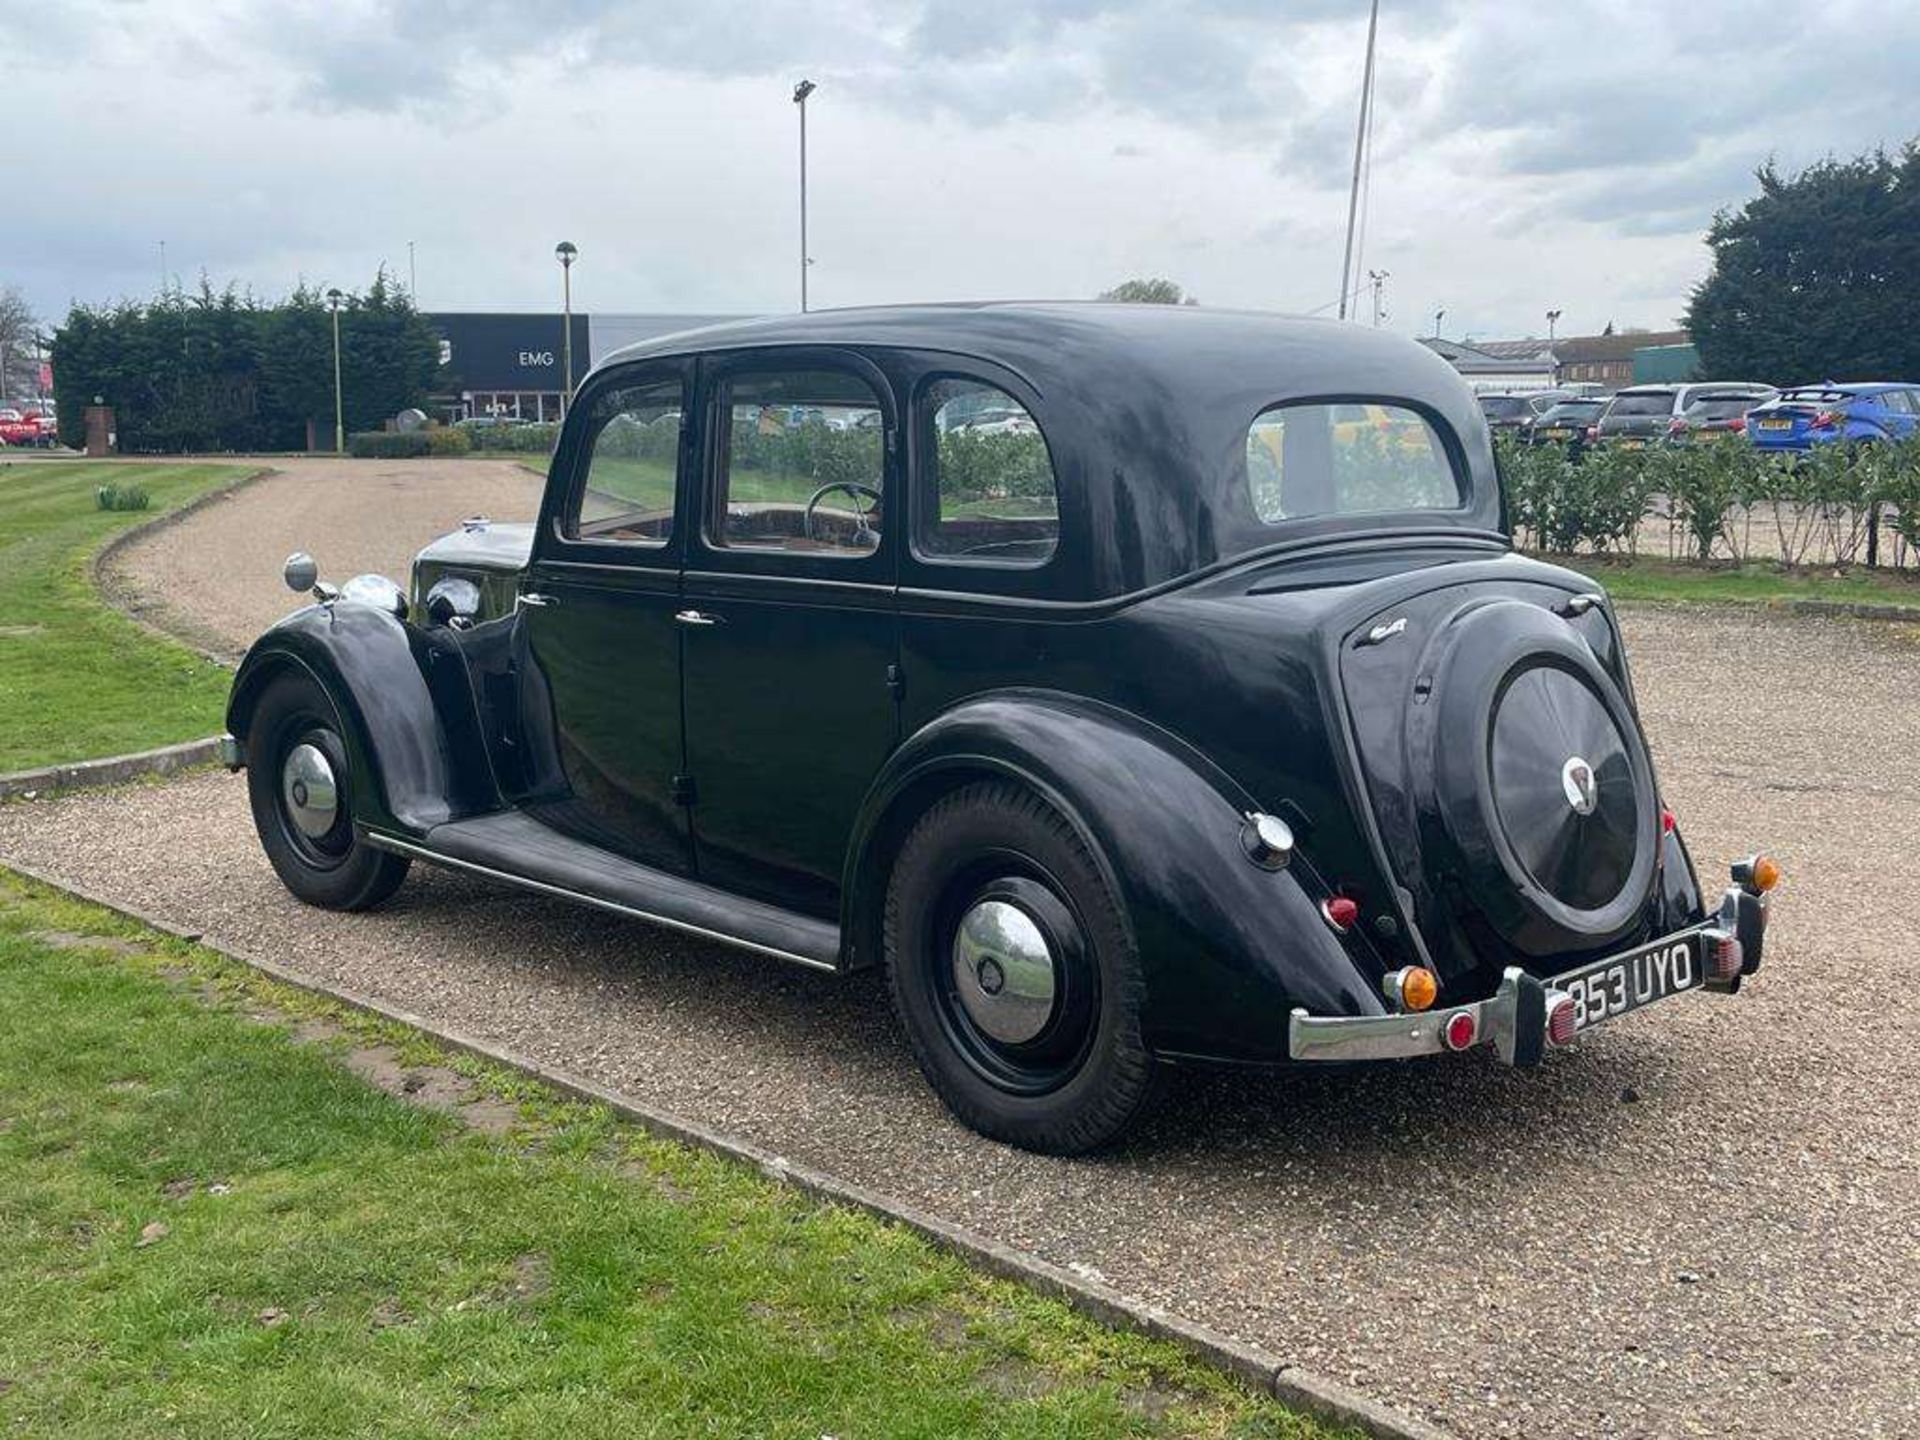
<point>1809,415</point>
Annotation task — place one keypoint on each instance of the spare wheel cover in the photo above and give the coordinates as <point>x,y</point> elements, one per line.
<point>1543,781</point>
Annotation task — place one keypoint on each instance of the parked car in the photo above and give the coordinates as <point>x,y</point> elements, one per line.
<point>25,429</point>
<point>1510,412</point>
<point>1713,415</point>
<point>1809,415</point>
<point>1196,725</point>
<point>1565,423</point>
<point>1643,415</point>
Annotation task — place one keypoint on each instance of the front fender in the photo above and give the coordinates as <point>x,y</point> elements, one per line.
<point>405,705</point>
<point>1229,948</point>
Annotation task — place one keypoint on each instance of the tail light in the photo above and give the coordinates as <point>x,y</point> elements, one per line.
<point>1826,420</point>
<point>1676,426</point>
<point>1593,433</point>
<point>1411,987</point>
<point>1562,1015</point>
<point>1339,913</point>
<point>1460,1031</point>
<point>1724,955</point>
<point>1738,422</point>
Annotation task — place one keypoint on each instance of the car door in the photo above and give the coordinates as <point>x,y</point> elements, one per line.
<point>788,617</point>
<point>600,686</point>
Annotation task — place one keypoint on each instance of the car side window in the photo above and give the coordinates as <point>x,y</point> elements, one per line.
<point>802,463</point>
<point>632,467</point>
<point>987,485</point>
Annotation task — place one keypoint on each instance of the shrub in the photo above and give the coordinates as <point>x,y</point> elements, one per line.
<point>122,497</point>
<point>448,442</point>
<point>516,439</point>
<point>388,444</point>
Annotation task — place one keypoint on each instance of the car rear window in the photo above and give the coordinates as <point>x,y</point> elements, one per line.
<point>1572,410</point>
<point>1309,459</point>
<point>1503,407</point>
<point>1652,402</point>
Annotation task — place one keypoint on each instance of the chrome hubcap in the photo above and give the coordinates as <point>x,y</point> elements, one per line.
<point>1004,971</point>
<point>309,791</point>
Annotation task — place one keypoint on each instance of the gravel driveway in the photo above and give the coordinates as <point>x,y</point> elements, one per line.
<point>1699,1221</point>
<point>215,577</point>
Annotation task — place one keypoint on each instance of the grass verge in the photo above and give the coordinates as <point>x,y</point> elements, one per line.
<point>1756,583</point>
<point>78,679</point>
<point>210,1225</point>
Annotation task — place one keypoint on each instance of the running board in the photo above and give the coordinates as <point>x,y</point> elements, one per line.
<point>518,850</point>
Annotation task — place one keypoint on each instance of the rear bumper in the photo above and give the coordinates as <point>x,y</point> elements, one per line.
<point>1517,1018</point>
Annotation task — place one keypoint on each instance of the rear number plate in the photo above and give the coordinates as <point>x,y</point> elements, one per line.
<point>1776,424</point>
<point>1626,982</point>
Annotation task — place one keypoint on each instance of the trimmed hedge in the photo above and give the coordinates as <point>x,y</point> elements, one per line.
<point>1815,505</point>
<point>516,439</point>
<point>388,444</point>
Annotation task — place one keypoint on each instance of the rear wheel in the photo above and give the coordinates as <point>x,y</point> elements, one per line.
<point>297,781</point>
<point>1015,973</point>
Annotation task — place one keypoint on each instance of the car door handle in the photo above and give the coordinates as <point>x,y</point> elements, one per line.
<point>534,597</point>
<point>696,617</point>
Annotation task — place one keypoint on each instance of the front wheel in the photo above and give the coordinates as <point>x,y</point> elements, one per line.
<point>1015,974</point>
<point>298,783</point>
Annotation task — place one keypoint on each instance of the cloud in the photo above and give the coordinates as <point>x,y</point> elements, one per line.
<point>1522,158</point>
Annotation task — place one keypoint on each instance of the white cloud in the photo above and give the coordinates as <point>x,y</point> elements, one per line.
<point>1525,158</point>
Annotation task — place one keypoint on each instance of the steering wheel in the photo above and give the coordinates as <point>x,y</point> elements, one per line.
<point>858,492</point>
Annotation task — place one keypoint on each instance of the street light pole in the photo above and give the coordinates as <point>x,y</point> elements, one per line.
<point>1379,279</point>
<point>334,297</point>
<point>564,252</point>
<point>1553,319</point>
<point>1438,316</point>
<point>800,94</point>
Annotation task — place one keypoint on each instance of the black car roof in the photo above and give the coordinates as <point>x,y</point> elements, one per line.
<point>1146,408</point>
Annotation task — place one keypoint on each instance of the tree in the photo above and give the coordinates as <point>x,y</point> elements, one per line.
<point>17,348</point>
<point>1148,292</point>
<point>1818,276</point>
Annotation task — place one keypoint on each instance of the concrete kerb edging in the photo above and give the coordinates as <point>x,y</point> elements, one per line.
<point>115,770</point>
<point>1292,1385</point>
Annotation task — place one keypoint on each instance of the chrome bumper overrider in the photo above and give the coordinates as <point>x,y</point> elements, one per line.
<point>233,754</point>
<point>1514,1017</point>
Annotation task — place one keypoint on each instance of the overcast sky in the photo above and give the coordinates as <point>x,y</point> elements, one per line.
<point>1527,156</point>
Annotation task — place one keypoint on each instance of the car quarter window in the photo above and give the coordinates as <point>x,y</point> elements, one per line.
<point>987,491</point>
<point>632,466</point>
<point>1314,459</point>
<point>802,463</point>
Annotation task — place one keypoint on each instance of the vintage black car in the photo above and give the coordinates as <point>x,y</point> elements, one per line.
<point>1130,684</point>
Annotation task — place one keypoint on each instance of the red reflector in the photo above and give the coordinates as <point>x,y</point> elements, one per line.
<point>1723,955</point>
<point>1461,1030</point>
<point>1667,822</point>
<point>1341,913</point>
<point>1560,1017</point>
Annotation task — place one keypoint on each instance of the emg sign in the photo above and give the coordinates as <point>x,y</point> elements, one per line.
<point>536,359</point>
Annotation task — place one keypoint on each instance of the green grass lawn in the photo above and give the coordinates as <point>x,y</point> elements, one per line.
<point>1643,579</point>
<point>77,678</point>
<point>209,1226</point>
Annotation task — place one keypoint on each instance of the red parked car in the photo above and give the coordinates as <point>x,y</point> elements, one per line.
<point>34,427</point>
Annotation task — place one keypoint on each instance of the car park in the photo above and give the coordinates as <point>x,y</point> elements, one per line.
<point>1808,415</point>
<point>1206,721</point>
<point>1566,423</point>
<point>1643,415</point>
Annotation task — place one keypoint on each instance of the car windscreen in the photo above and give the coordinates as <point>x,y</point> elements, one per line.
<point>1645,402</point>
<point>1352,459</point>
<point>1583,411</point>
<point>1720,407</point>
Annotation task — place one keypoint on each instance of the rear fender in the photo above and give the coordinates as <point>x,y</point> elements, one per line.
<point>1229,947</point>
<point>405,706</point>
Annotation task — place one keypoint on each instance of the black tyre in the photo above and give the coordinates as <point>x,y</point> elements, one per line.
<point>1015,973</point>
<point>298,783</point>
